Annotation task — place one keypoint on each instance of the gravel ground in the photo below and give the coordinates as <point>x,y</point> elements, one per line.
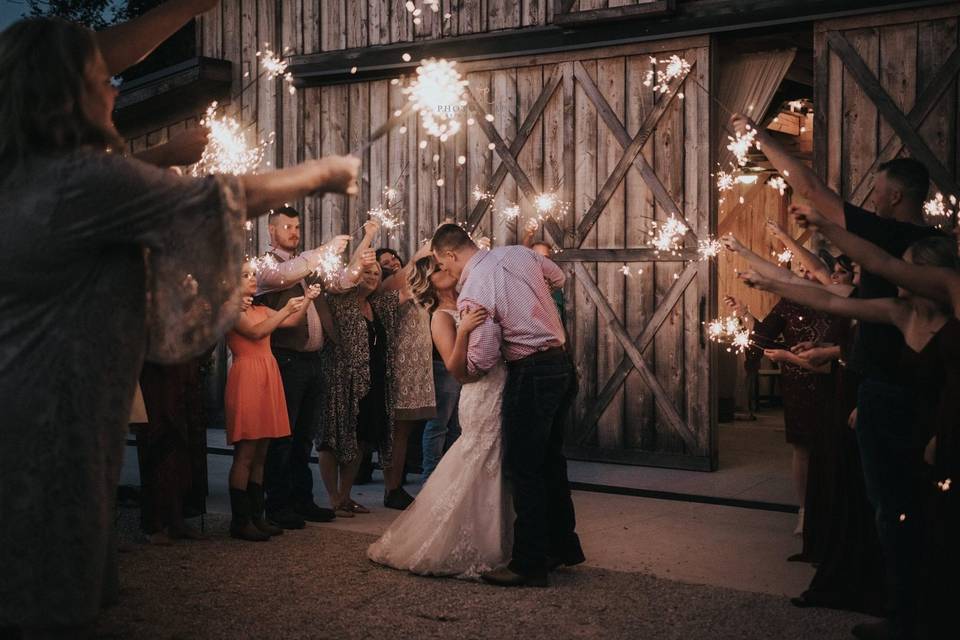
<point>317,583</point>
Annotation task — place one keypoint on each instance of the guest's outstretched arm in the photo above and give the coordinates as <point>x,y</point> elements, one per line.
<point>764,267</point>
<point>807,258</point>
<point>936,283</point>
<point>879,310</point>
<point>333,174</point>
<point>127,44</point>
<point>258,330</point>
<point>798,175</point>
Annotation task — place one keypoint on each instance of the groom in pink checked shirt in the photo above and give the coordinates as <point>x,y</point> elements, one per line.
<point>523,327</point>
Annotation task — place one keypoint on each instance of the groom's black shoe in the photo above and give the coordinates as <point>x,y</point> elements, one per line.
<point>504,577</point>
<point>567,560</point>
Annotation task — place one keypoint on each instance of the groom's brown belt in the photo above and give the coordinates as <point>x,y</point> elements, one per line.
<point>539,356</point>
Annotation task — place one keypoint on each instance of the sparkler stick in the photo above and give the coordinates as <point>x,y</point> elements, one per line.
<point>383,129</point>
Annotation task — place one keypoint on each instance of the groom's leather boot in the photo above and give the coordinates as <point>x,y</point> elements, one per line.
<point>505,577</point>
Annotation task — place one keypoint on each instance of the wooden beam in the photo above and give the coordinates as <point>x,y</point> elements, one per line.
<point>516,146</point>
<point>589,422</point>
<point>888,109</point>
<point>669,412</point>
<point>623,12</point>
<point>620,170</point>
<point>945,77</point>
<point>646,254</point>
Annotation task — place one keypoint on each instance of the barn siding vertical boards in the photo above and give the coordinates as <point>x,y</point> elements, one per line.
<point>909,56</point>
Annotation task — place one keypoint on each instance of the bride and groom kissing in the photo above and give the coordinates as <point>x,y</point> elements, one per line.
<point>498,506</point>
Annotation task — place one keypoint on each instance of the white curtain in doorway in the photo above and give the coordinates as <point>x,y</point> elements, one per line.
<point>746,84</point>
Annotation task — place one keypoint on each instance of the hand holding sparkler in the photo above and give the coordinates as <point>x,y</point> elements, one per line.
<point>730,243</point>
<point>807,217</point>
<point>742,125</point>
<point>337,174</point>
<point>245,303</point>
<point>775,229</point>
<point>313,292</point>
<point>756,280</point>
<point>293,306</point>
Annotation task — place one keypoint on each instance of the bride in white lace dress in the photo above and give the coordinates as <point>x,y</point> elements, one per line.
<point>461,523</point>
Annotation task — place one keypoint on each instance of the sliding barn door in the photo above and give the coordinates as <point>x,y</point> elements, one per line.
<point>886,87</point>
<point>584,126</point>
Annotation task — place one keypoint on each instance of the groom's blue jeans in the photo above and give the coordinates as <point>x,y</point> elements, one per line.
<point>536,398</point>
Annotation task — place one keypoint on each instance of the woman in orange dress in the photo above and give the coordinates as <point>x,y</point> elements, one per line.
<point>255,405</point>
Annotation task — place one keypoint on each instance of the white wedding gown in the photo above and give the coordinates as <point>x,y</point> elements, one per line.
<point>461,523</point>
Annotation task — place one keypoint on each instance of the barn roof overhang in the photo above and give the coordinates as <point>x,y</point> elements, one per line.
<point>166,94</point>
<point>696,17</point>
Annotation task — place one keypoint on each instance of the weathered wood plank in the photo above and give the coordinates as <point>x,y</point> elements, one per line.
<point>379,155</point>
<point>265,101</point>
<point>610,234</point>
<point>312,210</point>
<point>479,155</point>
<point>897,49</point>
<point>639,410</point>
<point>586,179</point>
<point>333,25</point>
<point>669,357</point>
<point>504,84</point>
<point>939,129</point>
<point>503,14</point>
<point>530,156</point>
<point>334,120</point>
<point>358,130</point>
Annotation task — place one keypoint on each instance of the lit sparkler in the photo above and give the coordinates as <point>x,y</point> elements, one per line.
<point>729,329</point>
<point>778,183</point>
<point>330,265</point>
<point>479,194</point>
<point>669,235</point>
<point>227,150</point>
<point>510,212</point>
<point>437,94</point>
<point>740,145</point>
<point>783,257</point>
<point>276,67</point>
<point>709,248</point>
<point>660,79</point>
<point>937,207</point>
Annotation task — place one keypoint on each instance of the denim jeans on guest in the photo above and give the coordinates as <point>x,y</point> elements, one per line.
<point>442,431</point>
<point>287,478</point>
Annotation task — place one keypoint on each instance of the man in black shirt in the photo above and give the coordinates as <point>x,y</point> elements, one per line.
<point>884,411</point>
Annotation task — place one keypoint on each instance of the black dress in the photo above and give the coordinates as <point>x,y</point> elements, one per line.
<point>850,575</point>
<point>372,420</point>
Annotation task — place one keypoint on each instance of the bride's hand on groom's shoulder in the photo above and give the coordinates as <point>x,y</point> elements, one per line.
<point>470,320</point>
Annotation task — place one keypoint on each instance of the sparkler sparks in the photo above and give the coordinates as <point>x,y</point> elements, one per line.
<point>783,257</point>
<point>387,218</point>
<point>725,181</point>
<point>330,265</point>
<point>778,183</point>
<point>937,207</point>
<point>669,235</point>
<point>227,150</point>
<point>660,79</point>
<point>740,145</point>
<point>510,212</point>
<point>275,67</point>
<point>437,94</point>
<point>479,194</point>
<point>795,105</point>
<point>944,485</point>
<point>729,329</point>
<point>263,263</point>
<point>709,248</point>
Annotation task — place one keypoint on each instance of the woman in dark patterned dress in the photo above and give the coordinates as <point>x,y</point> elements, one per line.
<point>358,404</point>
<point>74,317</point>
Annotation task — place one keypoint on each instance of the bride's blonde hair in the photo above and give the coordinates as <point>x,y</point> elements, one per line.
<point>420,285</point>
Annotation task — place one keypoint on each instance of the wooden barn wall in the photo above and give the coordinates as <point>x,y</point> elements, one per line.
<point>904,51</point>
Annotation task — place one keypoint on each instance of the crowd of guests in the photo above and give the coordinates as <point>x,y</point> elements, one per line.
<point>868,342</point>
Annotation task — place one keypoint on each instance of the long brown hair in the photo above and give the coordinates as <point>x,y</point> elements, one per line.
<point>420,285</point>
<point>43,63</point>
